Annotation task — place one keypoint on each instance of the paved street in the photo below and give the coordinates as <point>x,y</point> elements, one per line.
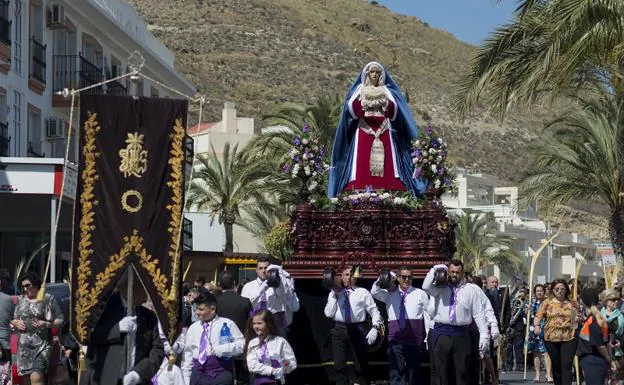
<point>513,378</point>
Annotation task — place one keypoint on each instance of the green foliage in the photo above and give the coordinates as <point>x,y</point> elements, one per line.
<point>277,241</point>
<point>551,48</point>
<point>480,244</point>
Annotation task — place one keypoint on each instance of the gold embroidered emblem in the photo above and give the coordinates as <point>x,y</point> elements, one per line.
<point>136,207</point>
<point>133,157</point>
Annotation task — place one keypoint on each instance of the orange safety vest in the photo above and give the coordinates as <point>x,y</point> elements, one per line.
<point>584,334</point>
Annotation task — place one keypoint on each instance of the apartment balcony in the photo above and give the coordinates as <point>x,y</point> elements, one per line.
<point>5,23</point>
<point>34,152</point>
<point>187,234</point>
<point>38,65</point>
<point>76,72</point>
<point>5,140</point>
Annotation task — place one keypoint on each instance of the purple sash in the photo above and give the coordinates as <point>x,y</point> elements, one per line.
<point>260,379</point>
<point>212,367</point>
<point>446,330</point>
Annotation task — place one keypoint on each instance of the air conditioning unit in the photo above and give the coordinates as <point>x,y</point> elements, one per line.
<point>56,16</point>
<point>55,128</point>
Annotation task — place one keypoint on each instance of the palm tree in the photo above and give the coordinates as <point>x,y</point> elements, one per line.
<point>228,187</point>
<point>479,244</point>
<point>583,160</point>
<point>553,48</point>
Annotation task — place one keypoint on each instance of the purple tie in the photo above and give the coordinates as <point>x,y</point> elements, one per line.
<point>402,311</point>
<point>263,300</point>
<point>203,344</point>
<point>347,307</point>
<point>452,304</point>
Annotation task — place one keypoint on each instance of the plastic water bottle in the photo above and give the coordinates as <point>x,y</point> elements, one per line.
<point>225,336</point>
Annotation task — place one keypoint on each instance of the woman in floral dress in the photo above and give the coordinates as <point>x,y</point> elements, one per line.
<point>536,342</point>
<point>34,320</point>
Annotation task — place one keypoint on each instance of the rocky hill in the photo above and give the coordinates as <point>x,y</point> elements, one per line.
<point>259,53</point>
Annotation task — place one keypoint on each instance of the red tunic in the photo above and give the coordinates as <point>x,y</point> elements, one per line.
<point>363,177</point>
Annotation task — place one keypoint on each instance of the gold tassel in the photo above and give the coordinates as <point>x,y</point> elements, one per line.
<point>171,361</point>
<point>82,364</point>
<point>356,272</point>
<point>173,295</point>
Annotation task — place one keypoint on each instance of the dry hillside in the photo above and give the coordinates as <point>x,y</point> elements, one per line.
<point>258,53</point>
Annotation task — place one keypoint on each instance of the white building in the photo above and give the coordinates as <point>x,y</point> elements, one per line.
<point>480,192</point>
<point>46,46</point>
<point>236,131</point>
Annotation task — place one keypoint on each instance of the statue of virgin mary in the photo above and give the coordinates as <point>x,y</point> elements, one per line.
<point>373,139</point>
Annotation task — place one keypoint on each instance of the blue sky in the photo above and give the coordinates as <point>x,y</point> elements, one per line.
<point>469,20</point>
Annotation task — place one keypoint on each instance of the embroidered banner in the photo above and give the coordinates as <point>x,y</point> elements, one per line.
<point>129,205</point>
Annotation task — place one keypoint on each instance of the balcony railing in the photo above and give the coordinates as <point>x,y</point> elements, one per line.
<point>33,152</point>
<point>5,140</point>
<point>5,23</point>
<point>74,72</point>
<point>38,60</point>
<point>187,234</point>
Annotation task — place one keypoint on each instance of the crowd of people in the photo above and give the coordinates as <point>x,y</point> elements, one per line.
<point>240,333</point>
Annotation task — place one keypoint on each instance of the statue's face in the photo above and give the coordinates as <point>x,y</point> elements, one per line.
<point>374,74</point>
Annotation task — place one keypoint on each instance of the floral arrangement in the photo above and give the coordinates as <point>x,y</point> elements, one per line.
<point>370,198</point>
<point>306,160</point>
<point>429,156</point>
<point>277,241</point>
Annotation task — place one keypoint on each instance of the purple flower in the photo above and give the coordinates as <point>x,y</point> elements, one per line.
<point>417,172</point>
<point>297,159</point>
<point>441,170</point>
<point>306,127</point>
<point>297,141</point>
<point>322,151</point>
<point>416,153</point>
<point>429,129</point>
<point>286,168</point>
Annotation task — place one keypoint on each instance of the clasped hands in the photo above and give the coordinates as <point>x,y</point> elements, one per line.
<point>20,325</point>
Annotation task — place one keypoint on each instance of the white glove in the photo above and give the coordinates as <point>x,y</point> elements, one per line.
<point>484,345</point>
<point>263,286</point>
<point>132,378</point>
<point>441,266</point>
<point>217,350</point>
<point>393,274</point>
<point>128,324</point>
<point>278,373</point>
<point>495,334</point>
<point>274,267</point>
<point>371,337</point>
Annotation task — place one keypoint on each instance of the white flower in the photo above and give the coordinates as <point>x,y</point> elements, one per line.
<point>304,141</point>
<point>312,161</point>
<point>366,195</point>
<point>333,200</point>
<point>432,151</point>
<point>313,185</point>
<point>373,195</point>
<point>434,169</point>
<point>385,195</point>
<point>312,201</point>
<point>437,183</point>
<point>397,201</point>
<point>313,173</point>
<point>440,140</point>
<point>306,169</point>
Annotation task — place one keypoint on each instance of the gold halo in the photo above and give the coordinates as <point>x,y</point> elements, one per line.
<point>126,206</point>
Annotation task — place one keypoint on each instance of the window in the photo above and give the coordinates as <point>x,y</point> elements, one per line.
<point>17,39</point>
<point>34,134</point>
<point>154,92</point>
<point>58,146</point>
<point>17,122</point>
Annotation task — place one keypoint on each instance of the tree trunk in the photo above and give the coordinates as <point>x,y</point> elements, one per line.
<point>616,233</point>
<point>229,236</point>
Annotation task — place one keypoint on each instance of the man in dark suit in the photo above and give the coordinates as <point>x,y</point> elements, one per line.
<point>232,305</point>
<point>106,353</point>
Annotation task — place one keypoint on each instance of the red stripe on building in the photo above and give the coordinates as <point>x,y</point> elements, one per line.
<point>58,180</point>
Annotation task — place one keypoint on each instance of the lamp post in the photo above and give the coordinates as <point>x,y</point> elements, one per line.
<point>550,251</point>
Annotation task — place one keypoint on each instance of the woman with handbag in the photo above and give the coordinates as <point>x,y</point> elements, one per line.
<point>34,320</point>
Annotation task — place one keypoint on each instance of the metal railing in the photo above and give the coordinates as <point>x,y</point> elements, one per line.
<point>74,72</point>
<point>32,152</point>
<point>38,60</point>
<point>187,234</point>
<point>5,139</point>
<point>5,23</point>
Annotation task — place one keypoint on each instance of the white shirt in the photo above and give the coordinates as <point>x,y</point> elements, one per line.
<point>193,339</point>
<point>416,301</point>
<point>468,305</point>
<point>276,297</point>
<point>360,301</point>
<point>278,348</point>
